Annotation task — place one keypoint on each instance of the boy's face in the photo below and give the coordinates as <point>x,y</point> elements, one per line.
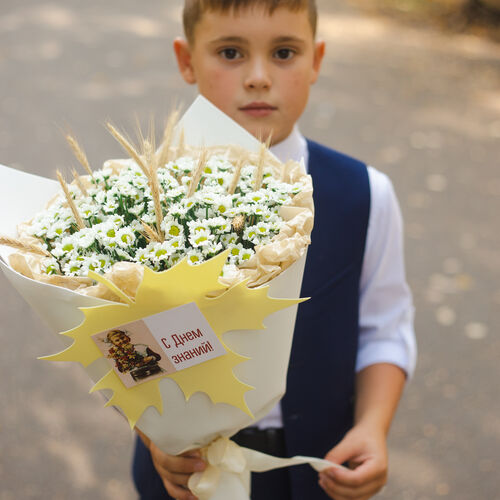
<point>255,67</point>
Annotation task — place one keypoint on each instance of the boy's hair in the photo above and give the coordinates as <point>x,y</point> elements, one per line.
<point>194,9</point>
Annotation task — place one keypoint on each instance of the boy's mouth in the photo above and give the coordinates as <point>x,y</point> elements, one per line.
<point>258,109</point>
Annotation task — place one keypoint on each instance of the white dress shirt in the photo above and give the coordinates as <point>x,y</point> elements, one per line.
<point>385,304</point>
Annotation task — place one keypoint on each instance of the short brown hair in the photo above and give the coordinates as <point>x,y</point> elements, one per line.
<point>194,9</point>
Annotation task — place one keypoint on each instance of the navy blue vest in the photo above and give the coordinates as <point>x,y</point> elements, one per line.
<point>318,405</point>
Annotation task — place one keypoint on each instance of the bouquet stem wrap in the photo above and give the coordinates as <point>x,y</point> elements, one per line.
<point>227,475</point>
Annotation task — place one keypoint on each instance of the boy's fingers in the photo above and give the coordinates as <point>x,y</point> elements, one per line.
<point>182,465</point>
<point>178,479</point>
<point>177,492</point>
<point>365,473</point>
<point>341,453</point>
<point>340,492</point>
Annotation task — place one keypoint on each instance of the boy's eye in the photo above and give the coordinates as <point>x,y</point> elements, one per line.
<point>230,54</point>
<point>284,54</point>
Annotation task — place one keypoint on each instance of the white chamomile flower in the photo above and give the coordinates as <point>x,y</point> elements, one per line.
<point>100,262</point>
<point>229,239</point>
<point>262,228</point>
<point>234,252</point>
<point>212,249</point>
<point>56,230</point>
<point>223,204</point>
<point>200,238</point>
<point>160,252</point>
<point>177,243</point>
<point>50,266</point>
<point>125,237</point>
<point>172,228</point>
<point>174,259</point>
<point>68,244</point>
<point>250,234</point>
<point>194,257</point>
<point>85,237</point>
<point>74,268</point>
<point>177,210</point>
<point>149,217</point>
<point>245,255</point>
<point>142,255</point>
<point>195,226</point>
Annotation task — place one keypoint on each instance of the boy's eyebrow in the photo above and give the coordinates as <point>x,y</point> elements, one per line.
<point>241,40</point>
<point>228,39</point>
<point>288,39</point>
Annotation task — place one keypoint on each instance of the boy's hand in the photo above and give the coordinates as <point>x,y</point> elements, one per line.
<point>175,470</point>
<point>365,449</point>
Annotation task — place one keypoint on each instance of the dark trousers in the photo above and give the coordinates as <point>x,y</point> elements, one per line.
<point>272,485</point>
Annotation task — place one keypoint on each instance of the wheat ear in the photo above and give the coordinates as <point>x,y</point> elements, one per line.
<point>164,150</point>
<point>150,233</point>
<point>195,178</point>
<point>127,146</point>
<point>71,203</point>
<point>259,173</point>
<point>79,183</point>
<point>25,247</point>
<point>181,146</point>
<point>154,185</point>
<point>80,154</point>
<point>236,175</point>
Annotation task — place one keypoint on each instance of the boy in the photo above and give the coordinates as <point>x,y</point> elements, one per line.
<point>256,60</point>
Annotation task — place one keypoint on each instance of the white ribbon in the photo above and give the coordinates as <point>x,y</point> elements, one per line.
<point>227,475</point>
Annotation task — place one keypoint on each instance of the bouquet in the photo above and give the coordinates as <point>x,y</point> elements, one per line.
<point>159,271</point>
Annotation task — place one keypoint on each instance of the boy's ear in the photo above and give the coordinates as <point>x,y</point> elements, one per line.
<point>319,52</point>
<point>183,55</point>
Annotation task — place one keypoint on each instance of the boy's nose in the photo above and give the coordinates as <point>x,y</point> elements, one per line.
<point>258,77</point>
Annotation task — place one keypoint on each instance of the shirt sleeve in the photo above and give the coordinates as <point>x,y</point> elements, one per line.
<point>386,306</point>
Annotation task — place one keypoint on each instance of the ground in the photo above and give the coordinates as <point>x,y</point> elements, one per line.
<point>420,104</point>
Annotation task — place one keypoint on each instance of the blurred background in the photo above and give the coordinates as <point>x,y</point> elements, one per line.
<point>411,87</point>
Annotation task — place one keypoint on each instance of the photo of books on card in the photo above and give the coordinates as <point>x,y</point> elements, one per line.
<point>159,345</point>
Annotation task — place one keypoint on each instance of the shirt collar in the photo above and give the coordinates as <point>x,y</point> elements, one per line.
<point>294,147</point>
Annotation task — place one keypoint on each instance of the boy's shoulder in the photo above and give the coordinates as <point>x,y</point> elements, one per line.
<point>340,175</point>
<point>323,155</point>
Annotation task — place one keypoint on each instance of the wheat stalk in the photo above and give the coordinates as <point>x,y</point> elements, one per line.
<point>236,175</point>
<point>80,154</point>
<point>259,173</point>
<point>164,150</point>
<point>181,146</point>
<point>71,203</point>
<point>154,185</point>
<point>195,179</point>
<point>25,247</point>
<point>129,148</point>
<point>150,233</point>
<point>79,183</point>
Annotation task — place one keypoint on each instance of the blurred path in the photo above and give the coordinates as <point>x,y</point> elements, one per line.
<point>422,107</point>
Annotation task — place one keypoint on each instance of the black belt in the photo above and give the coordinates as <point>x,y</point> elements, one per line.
<point>270,441</point>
